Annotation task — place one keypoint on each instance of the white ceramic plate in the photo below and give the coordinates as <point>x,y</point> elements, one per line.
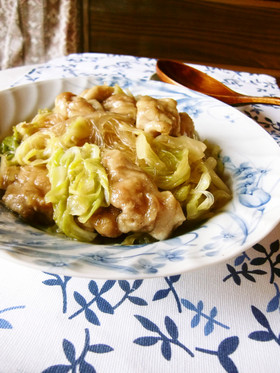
<point>251,158</point>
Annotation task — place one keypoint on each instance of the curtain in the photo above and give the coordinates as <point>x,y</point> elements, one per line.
<point>34,31</point>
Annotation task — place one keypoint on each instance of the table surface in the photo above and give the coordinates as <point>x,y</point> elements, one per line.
<point>222,318</point>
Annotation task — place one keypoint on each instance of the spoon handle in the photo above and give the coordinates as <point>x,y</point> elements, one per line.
<point>242,99</point>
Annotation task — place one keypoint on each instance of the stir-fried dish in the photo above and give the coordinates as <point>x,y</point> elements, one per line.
<point>108,164</point>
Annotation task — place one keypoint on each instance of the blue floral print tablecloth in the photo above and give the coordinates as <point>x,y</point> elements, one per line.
<point>223,318</point>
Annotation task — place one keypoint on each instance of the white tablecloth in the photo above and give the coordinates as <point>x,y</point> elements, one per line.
<point>225,317</point>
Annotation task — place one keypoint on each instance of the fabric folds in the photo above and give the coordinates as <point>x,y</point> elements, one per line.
<point>34,31</point>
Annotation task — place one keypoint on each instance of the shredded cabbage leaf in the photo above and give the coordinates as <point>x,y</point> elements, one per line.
<point>9,144</point>
<point>79,186</point>
<point>168,159</point>
<point>179,164</point>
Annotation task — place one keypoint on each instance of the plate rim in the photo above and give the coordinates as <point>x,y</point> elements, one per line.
<point>181,91</point>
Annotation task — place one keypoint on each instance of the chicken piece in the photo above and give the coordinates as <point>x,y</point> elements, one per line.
<point>70,105</point>
<point>122,104</point>
<point>169,217</point>
<point>186,125</point>
<point>158,116</point>
<point>98,92</point>
<point>104,221</point>
<point>26,195</point>
<point>143,207</point>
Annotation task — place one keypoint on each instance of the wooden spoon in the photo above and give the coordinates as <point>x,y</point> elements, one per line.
<point>178,73</point>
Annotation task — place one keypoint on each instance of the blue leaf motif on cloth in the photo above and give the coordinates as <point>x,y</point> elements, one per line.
<point>274,303</point>
<point>147,341</point>
<point>138,301</point>
<point>128,290</point>
<point>5,324</point>
<point>263,335</point>
<point>248,274</point>
<point>269,256</point>
<point>163,293</point>
<point>241,258</point>
<point>102,304</point>
<point>274,263</point>
<point>211,321</point>
<point>78,362</point>
<point>227,347</point>
<point>106,286</point>
<point>166,341</point>
<point>171,328</point>
<point>58,281</point>
<point>160,294</point>
<point>69,351</point>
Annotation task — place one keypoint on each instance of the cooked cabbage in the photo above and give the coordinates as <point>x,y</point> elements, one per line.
<point>9,144</point>
<point>79,186</point>
<point>173,172</point>
<point>168,159</point>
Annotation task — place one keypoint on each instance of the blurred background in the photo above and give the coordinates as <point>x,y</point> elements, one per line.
<point>34,31</point>
<point>237,34</point>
